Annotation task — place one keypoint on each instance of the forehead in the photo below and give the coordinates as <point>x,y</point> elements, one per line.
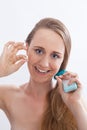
<point>48,39</point>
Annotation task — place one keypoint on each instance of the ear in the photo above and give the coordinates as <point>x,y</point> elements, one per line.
<point>27,46</point>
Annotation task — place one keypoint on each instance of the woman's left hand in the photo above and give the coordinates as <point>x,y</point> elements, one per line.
<point>74,100</point>
<point>73,97</point>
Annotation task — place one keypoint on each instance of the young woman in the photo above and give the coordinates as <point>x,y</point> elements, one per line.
<point>40,104</point>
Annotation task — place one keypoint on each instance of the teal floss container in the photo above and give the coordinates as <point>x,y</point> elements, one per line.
<point>66,87</point>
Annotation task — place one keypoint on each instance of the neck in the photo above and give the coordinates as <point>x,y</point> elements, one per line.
<point>39,90</point>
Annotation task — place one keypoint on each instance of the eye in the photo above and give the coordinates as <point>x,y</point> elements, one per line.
<point>38,51</point>
<point>55,56</point>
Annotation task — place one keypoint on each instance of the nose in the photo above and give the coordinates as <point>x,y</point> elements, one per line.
<point>44,62</point>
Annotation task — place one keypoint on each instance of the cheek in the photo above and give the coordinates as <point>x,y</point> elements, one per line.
<point>56,66</point>
<point>31,58</point>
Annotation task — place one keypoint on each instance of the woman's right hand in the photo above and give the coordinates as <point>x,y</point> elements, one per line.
<point>9,60</point>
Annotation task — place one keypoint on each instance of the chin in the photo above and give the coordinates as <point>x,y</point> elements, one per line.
<point>41,80</point>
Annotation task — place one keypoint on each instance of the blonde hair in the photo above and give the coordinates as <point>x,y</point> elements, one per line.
<point>57,116</point>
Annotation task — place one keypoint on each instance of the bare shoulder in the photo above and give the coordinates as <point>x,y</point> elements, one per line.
<point>6,93</point>
<point>5,89</point>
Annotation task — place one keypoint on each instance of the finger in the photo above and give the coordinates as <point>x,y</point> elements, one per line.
<point>17,58</point>
<point>19,43</point>
<point>66,75</point>
<point>71,81</point>
<point>60,87</point>
<point>75,80</point>
<point>17,46</point>
<point>8,44</point>
<point>19,64</point>
<point>20,57</point>
<point>69,75</point>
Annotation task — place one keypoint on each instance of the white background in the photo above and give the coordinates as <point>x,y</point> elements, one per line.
<point>17,18</point>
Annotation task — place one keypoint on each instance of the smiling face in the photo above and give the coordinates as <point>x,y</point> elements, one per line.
<point>45,55</point>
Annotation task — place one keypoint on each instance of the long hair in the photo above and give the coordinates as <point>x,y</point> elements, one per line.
<point>56,116</point>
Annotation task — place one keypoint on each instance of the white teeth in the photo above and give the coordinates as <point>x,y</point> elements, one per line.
<point>42,71</point>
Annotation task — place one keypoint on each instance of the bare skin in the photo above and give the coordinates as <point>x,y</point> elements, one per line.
<point>23,111</point>
<point>24,105</point>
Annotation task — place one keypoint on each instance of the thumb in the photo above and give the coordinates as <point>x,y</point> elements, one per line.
<point>19,64</point>
<point>60,85</point>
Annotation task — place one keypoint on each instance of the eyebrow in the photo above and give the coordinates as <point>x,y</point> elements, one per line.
<point>59,53</point>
